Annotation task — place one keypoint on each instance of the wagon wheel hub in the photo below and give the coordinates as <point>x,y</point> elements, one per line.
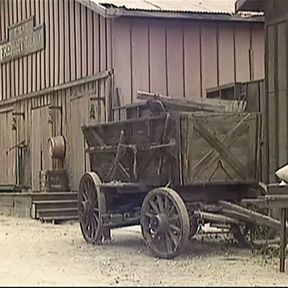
<point>159,224</point>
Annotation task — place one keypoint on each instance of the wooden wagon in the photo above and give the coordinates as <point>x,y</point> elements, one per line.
<point>158,170</point>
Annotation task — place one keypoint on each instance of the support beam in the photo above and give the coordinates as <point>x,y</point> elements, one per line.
<point>259,219</point>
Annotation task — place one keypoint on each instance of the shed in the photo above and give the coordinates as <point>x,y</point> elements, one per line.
<point>62,63</point>
<point>276,71</point>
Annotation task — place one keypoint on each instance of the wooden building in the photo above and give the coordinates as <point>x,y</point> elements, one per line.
<point>276,74</point>
<point>62,64</point>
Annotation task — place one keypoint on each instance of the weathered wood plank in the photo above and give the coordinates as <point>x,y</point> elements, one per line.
<point>228,140</point>
<point>227,156</point>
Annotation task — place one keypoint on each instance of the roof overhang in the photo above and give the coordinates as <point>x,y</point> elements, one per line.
<point>112,12</point>
<point>249,5</point>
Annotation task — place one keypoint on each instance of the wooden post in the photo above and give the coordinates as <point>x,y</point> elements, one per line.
<point>283,239</point>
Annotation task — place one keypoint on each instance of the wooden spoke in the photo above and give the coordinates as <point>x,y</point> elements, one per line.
<point>159,208</point>
<point>166,205</point>
<point>149,215</point>
<point>168,243</point>
<point>174,218</point>
<point>173,237</point>
<point>154,206</point>
<point>175,228</point>
<point>171,211</point>
<point>160,203</point>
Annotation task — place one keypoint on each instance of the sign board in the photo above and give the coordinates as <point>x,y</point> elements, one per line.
<point>23,39</point>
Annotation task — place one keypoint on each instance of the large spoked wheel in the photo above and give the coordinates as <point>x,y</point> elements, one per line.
<point>91,205</point>
<point>164,222</point>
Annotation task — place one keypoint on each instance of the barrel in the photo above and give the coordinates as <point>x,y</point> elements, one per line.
<point>57,147</point>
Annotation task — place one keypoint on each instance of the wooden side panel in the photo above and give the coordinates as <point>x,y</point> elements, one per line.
<point>157,47</point>
<point>175,61</point>
<point>84,108</point>
<point>272,135</point>
<point>103,44</point>
<point>83,41</point>
<point>90,42</point>
<point>209,57</point>
<point>221,148</point>
<point>258,46</point>
<point>140,73</point>
<point>282,93</point>
<point>7,152</point>
<point>122,59</point>
<point>96,43</point>
<point>192,61</point>
<point>242,46</point>
<point>41,132</point>
<point>226,54</point>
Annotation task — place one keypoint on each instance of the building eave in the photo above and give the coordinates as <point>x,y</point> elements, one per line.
<point>112,12</point>
<point>187,15</point>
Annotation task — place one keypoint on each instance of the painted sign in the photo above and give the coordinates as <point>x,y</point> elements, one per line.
<point>23,39</point>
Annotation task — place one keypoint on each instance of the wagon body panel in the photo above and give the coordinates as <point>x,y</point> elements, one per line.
<point>177,149</point>
<point>220,148</point>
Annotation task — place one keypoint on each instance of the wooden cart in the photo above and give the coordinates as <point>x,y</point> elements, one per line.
<point>158,172</point>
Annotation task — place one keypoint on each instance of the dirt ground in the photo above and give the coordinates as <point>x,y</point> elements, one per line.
<point>35,253</point>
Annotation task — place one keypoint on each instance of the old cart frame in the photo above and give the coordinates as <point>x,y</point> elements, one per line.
<point>158,170</point>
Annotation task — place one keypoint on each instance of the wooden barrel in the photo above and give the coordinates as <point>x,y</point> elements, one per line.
<point>57,147</point>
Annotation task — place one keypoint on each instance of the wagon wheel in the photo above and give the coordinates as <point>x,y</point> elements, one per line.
<point>164,222</point>
<point>242,233</point>
<point>247,233</point>
<point>91,205</point>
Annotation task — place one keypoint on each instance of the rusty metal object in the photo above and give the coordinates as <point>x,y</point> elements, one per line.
<point>57,147</point>
<point>164,222</point>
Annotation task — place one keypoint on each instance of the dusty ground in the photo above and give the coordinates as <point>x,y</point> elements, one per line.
<point>34,253</point>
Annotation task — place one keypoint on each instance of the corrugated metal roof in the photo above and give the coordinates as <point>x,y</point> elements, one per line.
<point>192,6</point>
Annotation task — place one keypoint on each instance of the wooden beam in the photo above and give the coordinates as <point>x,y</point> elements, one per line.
<point>50,90</point>
<point>180,103</point>
<point>260,219</point>
<point>283,240</point>
<point>216,218</point>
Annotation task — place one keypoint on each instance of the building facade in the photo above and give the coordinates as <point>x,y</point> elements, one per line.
<point>62,63</point>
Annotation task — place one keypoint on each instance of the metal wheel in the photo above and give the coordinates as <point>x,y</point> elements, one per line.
<point>91,205</point>
<point>164,222</point>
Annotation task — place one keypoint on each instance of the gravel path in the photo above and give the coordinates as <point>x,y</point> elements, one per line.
<point>35,253</point>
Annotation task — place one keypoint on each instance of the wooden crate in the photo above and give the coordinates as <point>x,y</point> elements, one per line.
<point>56,181</point>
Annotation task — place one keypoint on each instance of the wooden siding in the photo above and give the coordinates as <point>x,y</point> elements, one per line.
<point>184,58</point>
<point>277,94</point>
<point>7,144</point>
<point>36,118</point>
<point>75,45</point>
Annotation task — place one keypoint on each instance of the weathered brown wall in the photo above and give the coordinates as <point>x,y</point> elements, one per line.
<point>184,58</point>
<point>76,43</point>
<point>38,94</point>
<point>276,84</point>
